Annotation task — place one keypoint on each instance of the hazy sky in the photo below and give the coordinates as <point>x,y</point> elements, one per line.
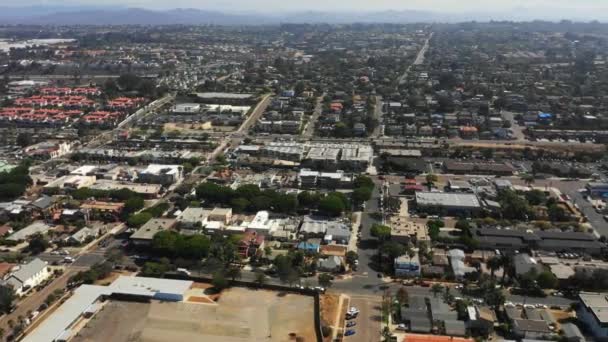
<point>577,6</point>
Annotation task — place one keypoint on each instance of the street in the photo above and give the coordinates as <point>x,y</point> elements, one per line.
<point>310,126</point>
<point>235,138</point>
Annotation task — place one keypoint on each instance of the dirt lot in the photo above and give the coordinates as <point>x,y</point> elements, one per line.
<point>240,315</point>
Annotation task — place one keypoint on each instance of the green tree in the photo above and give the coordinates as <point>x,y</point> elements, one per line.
<point>436,288</point>
<point>260,278</point>
<point>325,280</point>
<point>547,280</point>
<point>402,296</point>
<point>7,298</point>
<point>351,258</point>
<point>38,244</point>
<point>332,206</point>
<point>513,206</point>
<point>494,264</point>
<point>239,204</point>
<point>381,232</point>
<point>434,228</point>
<point>362,194</point>
<point>24,139</point>
<point>308,199</point>
<point>138,220</point>
<point>364,182</point>
<point>233,273</point>
<point>133,204</point>
<point>155,269</point>
<point>219,281</point>
<point>392,249</point>
<point>535,197</point>
<point>556,213</point>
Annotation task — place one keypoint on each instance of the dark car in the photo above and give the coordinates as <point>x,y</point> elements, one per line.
<point>349,332</point>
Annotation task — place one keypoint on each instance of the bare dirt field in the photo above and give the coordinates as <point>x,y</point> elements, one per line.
<point>240,315</point>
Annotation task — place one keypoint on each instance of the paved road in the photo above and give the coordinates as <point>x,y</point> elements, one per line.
<point>143,112</point>
<point>234,138</point>
<point>378,112</point>
<point>419,59</point>
<point>310,127</point>
<point>518,131</point>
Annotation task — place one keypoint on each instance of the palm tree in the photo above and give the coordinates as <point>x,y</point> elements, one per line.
<point>529,179</point>
<point>494,264</point>
<point>506,263</point>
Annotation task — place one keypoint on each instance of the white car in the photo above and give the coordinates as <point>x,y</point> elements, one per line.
<point>353,310</point>
<point>528,306</point>
<point>401,327</point>
<point>540,306</point>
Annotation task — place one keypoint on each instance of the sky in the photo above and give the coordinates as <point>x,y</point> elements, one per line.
<point>580,7</point>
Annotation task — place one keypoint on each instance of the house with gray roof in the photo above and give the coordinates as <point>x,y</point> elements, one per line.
<point>330,264</point>
<point>28,275</point>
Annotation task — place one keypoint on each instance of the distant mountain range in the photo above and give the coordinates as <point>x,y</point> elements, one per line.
<point>88,15</point>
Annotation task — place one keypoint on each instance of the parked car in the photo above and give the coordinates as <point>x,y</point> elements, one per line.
<point>349,332</point>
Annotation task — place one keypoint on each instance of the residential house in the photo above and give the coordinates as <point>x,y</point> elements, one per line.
<point>331,264</point>
<point>250,244</point>
<point>28,276</point>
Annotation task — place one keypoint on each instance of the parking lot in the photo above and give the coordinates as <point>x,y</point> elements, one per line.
<point>367,326</point>
<point>239,315</point>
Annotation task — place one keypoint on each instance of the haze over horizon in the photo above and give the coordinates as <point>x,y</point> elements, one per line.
<point>582,8</point>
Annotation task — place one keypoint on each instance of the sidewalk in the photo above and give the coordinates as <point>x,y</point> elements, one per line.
<point>338,321</point>
<point>352,243</point>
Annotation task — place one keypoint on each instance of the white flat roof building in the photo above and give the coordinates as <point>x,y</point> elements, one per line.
<point>60,323</point>
<point>448,200</point>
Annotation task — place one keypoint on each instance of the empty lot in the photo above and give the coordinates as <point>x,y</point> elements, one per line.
<point>240,315</point>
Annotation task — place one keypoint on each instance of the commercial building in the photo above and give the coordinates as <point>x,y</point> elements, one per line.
<point>448,203</point>
<point>593,312</point>
<point>146,190</point>
<point>145,234</point>
<point>499,169</point>
<point>226,98</point>
<point>596,189</point>
<point>308,179</point>
<point>186,108</point>
<point>510,239</point>
<point>161,174</point>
